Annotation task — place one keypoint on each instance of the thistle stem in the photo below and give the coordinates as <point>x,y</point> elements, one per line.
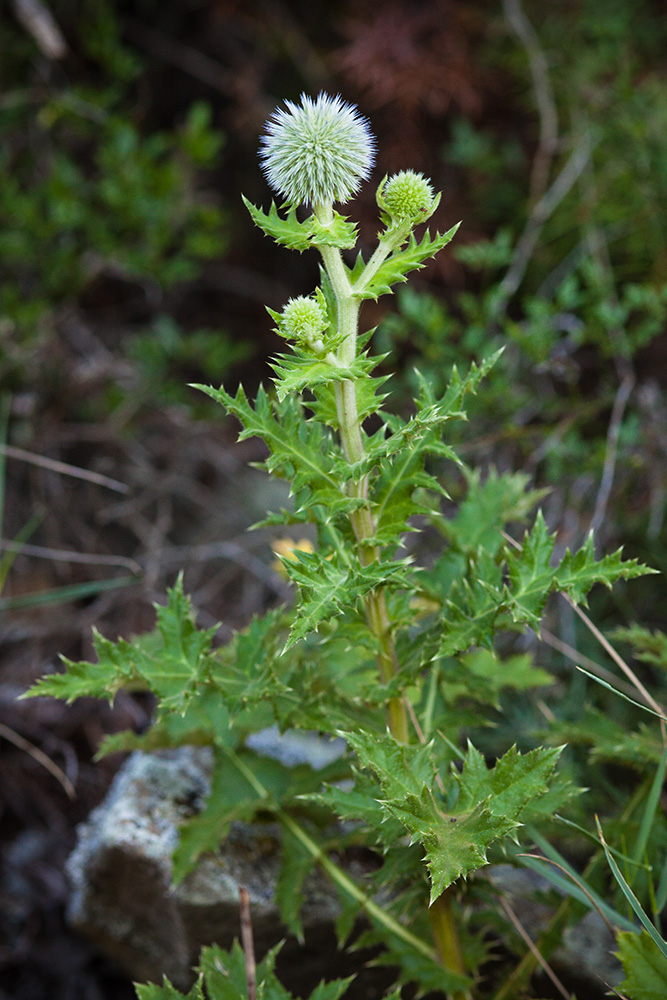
<point>443,927</point>
<point>363,525</point>
<point>446,938</point>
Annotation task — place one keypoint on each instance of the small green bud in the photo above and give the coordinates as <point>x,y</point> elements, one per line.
<point>407,197</point>
<point>304,320</point>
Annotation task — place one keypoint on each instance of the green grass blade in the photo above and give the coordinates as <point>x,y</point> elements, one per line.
<point>572,883</point>
<point>7,560</point>
<point>610,687</point>
<point>630,896</point>
<point>60,595</point>
<point>651,808</point>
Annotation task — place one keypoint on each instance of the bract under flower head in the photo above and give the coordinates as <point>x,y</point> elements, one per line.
<point>317,152</point>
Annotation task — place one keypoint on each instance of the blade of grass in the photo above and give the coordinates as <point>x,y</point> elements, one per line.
<point>651,808</point>
<point>630,896</point>
<point>615,690</point>
<point>5,407</point>
<point>570,881</point>
<point>73,592</point>
<point>590,836</point>
<point>8,558</point>
<point>661,892</point>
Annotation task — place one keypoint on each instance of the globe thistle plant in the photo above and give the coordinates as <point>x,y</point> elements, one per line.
<point>369,647</point>
<point>317,152</point>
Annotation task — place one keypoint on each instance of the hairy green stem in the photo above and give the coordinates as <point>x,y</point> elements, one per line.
<point>348,300</point>
<point>446,937</point>
<point>347,319</point>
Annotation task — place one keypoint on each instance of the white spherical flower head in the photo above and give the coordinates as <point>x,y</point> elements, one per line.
<point>317,152</point>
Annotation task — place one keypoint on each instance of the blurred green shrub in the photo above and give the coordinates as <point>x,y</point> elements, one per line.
<point>88,191</point>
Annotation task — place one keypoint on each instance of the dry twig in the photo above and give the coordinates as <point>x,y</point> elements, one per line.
<point>248,943</point>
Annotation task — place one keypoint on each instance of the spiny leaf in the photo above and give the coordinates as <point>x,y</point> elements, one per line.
<point>300,236</point>
<point>487,507</point>
<point>648,646</point>
<point>172,661</point>
<point>481,676</point>
<point>532,578</point>
<point>116,668</point>
<point>399,264</point>
<point>288,231</point>
<point>644,965</point>
<point>151,991</point>
<point>489,803</point>
<point>328,585</point>
<point>299,371</point>
<point>301,451</point>
<point>426,974</point>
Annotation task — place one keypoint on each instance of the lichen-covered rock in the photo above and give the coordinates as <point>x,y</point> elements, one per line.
<point>120,872</point>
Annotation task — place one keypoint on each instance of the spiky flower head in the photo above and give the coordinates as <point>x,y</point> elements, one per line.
<point>407,197</point>
<point>317,152</point>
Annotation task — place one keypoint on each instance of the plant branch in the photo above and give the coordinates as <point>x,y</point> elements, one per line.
<point>544,97</point>
<point>539,215</point>
<point>347,304</point>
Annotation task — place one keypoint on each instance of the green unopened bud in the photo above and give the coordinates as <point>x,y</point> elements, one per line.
<point>407,197</point>
<point>304,320</point>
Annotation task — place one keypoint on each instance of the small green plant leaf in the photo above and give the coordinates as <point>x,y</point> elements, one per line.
<point>327,584</point>
<point>295,235</point>
<point>151,991</point>
<point>172,661</point>
<point>644,965</point>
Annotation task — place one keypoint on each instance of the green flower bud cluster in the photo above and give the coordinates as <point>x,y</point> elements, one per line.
<point>406,199</point>
<point>304,320</point>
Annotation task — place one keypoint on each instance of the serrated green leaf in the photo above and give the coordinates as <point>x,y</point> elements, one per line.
<point>295,235</point>
<point>299,371</point>
<point>172,661</point>
<point>287,231</point>
<point>489,804</point>
<point>532,578</point>
<point>301,450</point>
<point>482,676</point>
<point>648,646</point>
<point>330,584</point>
<point>115,669</point>
<point>427,974</point>
<point>644,965</point>
<point>488,506</point>
<point>399,264</point>
<point>225,975</point>
<point>176,672</point>
<point>151,991</point>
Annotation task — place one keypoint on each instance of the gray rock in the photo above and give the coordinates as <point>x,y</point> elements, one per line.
<point>120,872</point>
<point>587,951</point>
